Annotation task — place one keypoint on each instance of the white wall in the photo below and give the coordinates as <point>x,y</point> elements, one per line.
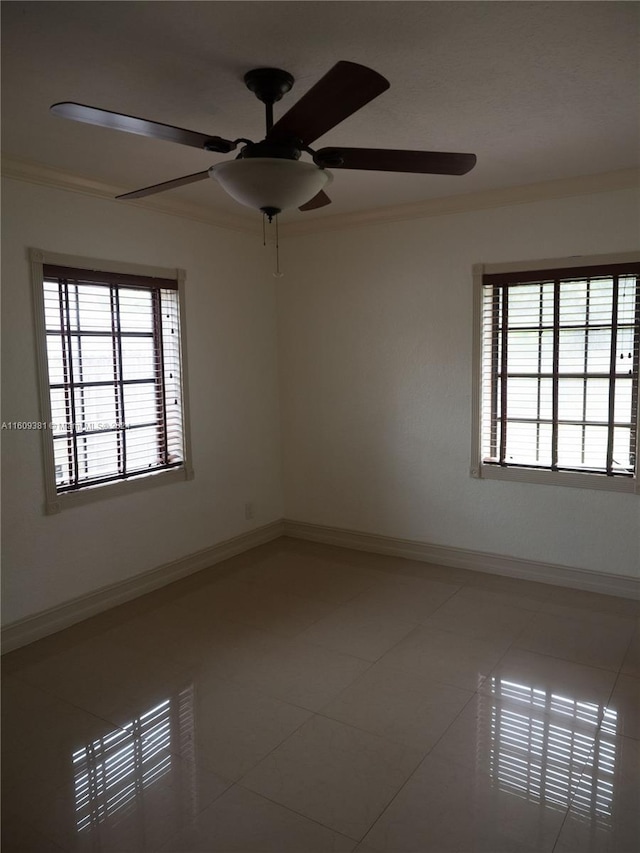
<point>231,327</point>
<point>375,353</point>
<point>374,330</point>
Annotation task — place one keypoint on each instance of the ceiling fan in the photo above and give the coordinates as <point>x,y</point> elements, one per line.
<point>269,175</point>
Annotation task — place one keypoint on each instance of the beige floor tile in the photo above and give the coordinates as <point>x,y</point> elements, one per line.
<point>562,689</point>
<point>88,631</point>
<point>106,678</point>
<point>525,750</point>
<point>399,705</point>
<point>190,782</point>
<point>224,648</point>
<point>446,657</point>
<point>446,808</point>
<point>437,572</point>
<point>631,663</point>
<point>103,655</point>
<point>193,636</point>
<point>593,639</point>
<point>623,708</point>
<point>236,601</point>
<point>604,816</point>
<point>166,700</point>
<point>335,774</point>
<point>512,586</point>
<point>142,821</point>
<point>13,663</point>
<point>235,727</point>
<point>244,822</point>
<point>40,733</point>
<point>357,632</point>
<point>365,559</point>
<point>593,601</point>
<point>310,577</point>
<point>500,598</point>
<point>89,786</point>
<point>302,674</point>
<point>333,554</point>
<point>387,563</point>
<point>158,631</point>
<point>405,598</point>
<point>227,569</point>
<point>403,566</point>
<point>23,704</point>
<point>476,612</point>
<point>19,836</point>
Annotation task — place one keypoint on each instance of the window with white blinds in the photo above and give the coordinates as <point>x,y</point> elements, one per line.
<point>558,371</point>
<point>114,376</point>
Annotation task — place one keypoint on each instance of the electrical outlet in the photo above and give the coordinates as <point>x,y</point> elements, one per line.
<point>248,511</point>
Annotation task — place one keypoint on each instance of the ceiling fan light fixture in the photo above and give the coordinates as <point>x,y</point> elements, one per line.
<point>270,182</point>
<point>268,175</point>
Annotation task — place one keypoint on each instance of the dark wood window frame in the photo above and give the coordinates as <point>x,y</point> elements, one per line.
<point>493,286</point>
<point>167,457</point>
<point>69,282</point>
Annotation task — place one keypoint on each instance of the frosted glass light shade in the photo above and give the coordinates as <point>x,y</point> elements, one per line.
<point>270,182</point>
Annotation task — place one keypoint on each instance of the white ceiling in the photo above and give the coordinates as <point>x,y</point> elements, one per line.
<point>539,91</point>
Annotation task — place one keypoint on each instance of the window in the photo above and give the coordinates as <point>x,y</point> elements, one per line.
<point>557,355</point>
<point>113,402</point>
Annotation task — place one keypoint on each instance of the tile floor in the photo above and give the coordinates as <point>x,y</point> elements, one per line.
<point>306,699</point>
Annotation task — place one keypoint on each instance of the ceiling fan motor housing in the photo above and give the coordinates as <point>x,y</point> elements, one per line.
<point>270,149</point>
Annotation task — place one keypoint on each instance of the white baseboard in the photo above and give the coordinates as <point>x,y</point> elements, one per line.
<point>36,627</point>
<point>25,631</point>
<point>461,558</point>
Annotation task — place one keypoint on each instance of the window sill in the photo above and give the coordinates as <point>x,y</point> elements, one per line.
<point>574,480</point>
<point>90,494</point>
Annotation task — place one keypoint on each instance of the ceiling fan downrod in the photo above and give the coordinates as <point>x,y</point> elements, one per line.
<point>268,85</point>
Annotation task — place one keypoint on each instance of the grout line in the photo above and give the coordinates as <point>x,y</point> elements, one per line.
<point>299,814</point>
<point>566,660</point>
<point>189,666</point>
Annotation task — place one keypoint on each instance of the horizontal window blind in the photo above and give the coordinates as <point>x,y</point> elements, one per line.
<point>113,351</point>
<point>560,354</point>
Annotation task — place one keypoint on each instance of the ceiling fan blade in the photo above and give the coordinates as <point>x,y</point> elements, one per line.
<point>166,185</point>
<point>340,93</point>
<point>141,126</point>
<point>390,160</point>
<point>319,200</point>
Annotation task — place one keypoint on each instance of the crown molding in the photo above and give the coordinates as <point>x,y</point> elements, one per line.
<point>48,176</point>
<point>38,173</point>
<point>563,188</point>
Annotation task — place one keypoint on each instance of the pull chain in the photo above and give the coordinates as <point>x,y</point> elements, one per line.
<point>271,214</point>
<point>277,273</point>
